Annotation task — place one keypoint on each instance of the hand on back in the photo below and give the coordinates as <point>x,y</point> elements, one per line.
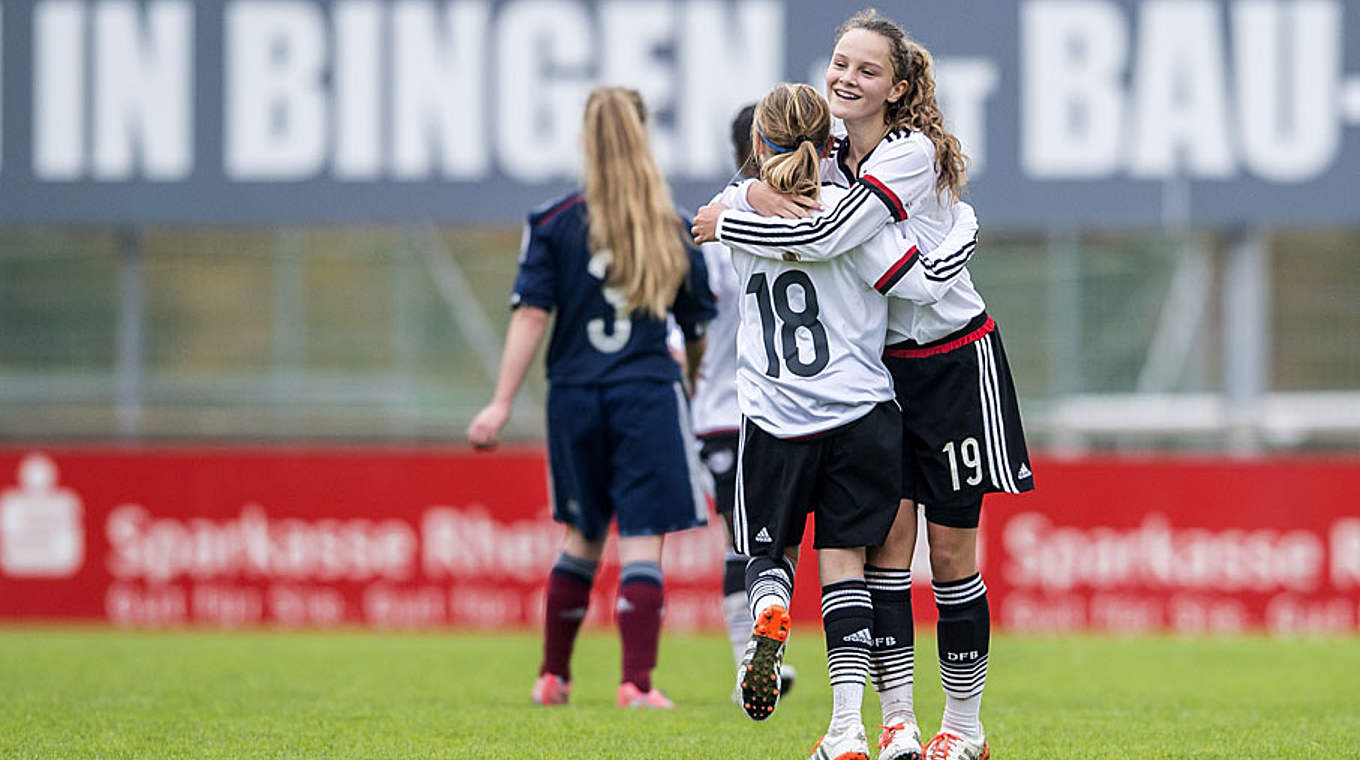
<point>705,226</point>
<point>767,202</point>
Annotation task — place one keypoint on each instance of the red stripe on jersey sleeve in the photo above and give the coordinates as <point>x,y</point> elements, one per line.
<point>899,211</point>
<point>895,272</point>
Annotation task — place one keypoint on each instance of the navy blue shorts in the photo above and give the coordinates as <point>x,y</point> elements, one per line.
<point>624,451</point>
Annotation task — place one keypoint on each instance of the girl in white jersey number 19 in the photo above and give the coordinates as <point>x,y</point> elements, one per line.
<point>962,436</point>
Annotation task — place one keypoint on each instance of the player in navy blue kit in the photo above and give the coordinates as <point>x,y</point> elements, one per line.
<point>612,262</point>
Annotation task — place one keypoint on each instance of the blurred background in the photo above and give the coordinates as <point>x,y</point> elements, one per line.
<point>280,226</point>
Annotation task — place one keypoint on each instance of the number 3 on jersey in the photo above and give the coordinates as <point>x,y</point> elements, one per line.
<point>613,340</point>
<point>775,300</point>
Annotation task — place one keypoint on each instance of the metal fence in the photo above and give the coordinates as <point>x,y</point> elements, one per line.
<point>1241,341</point>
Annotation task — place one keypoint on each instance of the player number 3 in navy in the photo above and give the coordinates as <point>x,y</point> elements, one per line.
<point>971,455</point>
<point>791,320</point>
<point>613,340</point>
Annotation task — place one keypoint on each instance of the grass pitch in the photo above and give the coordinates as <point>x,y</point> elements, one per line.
<point>94,693</point>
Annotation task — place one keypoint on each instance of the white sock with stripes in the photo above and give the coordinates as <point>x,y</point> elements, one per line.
<point>738,617</point>
<point>735,609</point>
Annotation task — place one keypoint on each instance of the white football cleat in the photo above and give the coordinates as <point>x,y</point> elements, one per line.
<point>787,676</point>
<point>899,741</point>
<point>947,746</point>
<point>851,745</point>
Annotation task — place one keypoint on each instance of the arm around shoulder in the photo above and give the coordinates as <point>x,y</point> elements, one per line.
<point>923,277</point>
<point>854,219</point>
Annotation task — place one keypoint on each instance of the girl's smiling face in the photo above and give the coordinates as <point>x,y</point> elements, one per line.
<point>859,79</point>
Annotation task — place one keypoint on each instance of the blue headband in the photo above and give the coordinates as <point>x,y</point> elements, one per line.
<point>774,147</point>
<point>777,149</point>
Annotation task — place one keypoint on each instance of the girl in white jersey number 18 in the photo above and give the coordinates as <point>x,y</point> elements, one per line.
<point>962,436</point>
<point>820,432</point>
<point>717,418</point>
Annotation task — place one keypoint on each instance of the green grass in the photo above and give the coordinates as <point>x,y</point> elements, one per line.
<point>92,693</point>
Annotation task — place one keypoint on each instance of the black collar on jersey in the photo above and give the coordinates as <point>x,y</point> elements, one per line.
<point>843,147</point>
<point>859,168</point>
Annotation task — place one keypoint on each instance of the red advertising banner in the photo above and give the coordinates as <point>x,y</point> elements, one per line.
<point>292,537</point>
<point>385,537</point>
<point>1180,545</point>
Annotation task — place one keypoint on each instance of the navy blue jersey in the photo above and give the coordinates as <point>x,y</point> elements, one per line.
<point>594,339</point>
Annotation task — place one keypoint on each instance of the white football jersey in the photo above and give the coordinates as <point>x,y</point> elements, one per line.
<point>809,344</point>
<point>895,186</point>
<point>811,334</point>
<point>715,390</point>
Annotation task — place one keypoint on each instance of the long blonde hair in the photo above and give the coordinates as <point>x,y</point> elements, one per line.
<point>630,207</point>
<point>918,109</point>
<point>794,121</point>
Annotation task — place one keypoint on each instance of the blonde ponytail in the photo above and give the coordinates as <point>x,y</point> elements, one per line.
<point>630,207</point>
<point>794,121</point>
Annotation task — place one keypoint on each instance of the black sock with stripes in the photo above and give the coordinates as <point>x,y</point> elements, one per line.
<point>964,635</point>
<point>769,581</point>
<point>892,658</point>
<point>848,620</point>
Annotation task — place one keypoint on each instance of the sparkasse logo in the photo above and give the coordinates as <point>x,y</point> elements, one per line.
<point>42,534</point>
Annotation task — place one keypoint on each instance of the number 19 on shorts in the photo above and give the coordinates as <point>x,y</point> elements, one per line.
<point>971,455</point>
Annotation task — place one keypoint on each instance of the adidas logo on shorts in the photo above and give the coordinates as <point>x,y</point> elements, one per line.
<point>764,536</point>
<point>1023,472</point>
<point>862,636</point>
